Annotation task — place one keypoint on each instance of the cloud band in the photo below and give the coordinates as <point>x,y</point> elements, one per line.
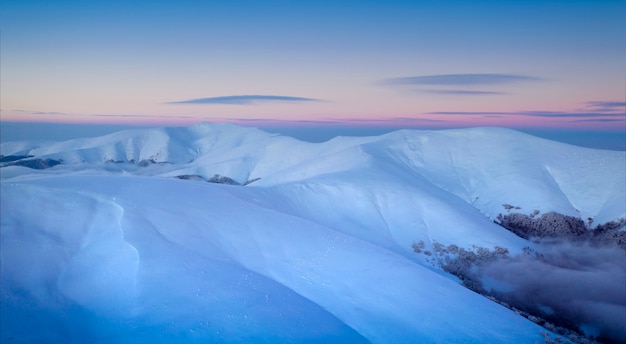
<point>245,100</point>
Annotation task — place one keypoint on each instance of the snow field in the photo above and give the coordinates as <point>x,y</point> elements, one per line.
<point>316,250</point>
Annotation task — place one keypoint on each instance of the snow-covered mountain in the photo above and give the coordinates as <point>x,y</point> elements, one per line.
<point>122,240</point>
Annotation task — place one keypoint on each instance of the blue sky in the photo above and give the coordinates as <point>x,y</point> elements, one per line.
<point>521,64</point>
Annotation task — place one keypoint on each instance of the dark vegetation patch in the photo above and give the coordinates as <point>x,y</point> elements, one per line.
<point>222,180</point>
<point>10,158</point>
<point>142,163</point>
<point>195,177</point>
<point>148,162</point>
<point>250,181</point>
<point>218,179</point>
<point>547,225</point>
<point>555,225</point>
<point>37,164</point>
<point>611,232</point>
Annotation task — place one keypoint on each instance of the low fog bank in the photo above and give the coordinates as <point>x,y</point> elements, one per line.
<point>568,284</point>
<point>574,288</point>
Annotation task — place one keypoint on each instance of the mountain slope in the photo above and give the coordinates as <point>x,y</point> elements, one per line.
<point>318,247</point>
<point>501,165</point>
<point>122,249</point>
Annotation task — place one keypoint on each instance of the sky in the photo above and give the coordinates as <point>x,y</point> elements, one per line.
<point>538,65</point>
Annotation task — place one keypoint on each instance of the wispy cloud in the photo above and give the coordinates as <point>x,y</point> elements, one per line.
<point>140,116</point>
<point>245,100</point>
<point>569,114</point>
<point>464,92</point>
<point>602,120</point>
<point>553,114</point>
<point>470,113</point>
<point>461,79</point>
<point>394,120</point>
<point>606,104</point>
<point>39,112</point>
<point>458,84</point>
<point>591,112</point>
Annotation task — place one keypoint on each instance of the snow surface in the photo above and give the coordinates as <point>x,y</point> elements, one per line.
<point>103,249</point>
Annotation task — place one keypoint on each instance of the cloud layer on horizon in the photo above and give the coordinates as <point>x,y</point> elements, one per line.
<point>546,114</point>
<point>74,115</point>
<point>245,100</point>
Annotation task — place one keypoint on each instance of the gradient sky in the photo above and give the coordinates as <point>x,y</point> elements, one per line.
<point>520,64</point>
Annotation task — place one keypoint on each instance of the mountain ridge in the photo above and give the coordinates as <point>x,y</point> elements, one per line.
<point>331,226</point>
<point>453,159</point>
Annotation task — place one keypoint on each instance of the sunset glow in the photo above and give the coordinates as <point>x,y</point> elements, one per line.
<point>395,64</point>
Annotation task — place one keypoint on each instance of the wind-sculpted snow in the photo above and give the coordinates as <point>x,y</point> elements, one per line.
<point>130,239</point>
<point>198,257</point>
